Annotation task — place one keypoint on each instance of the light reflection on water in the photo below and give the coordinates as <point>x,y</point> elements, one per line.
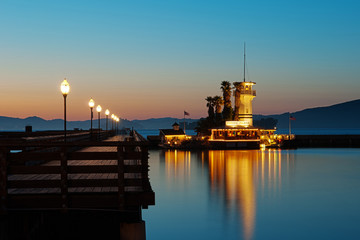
<point>236,176</point>
<point>238,194</point>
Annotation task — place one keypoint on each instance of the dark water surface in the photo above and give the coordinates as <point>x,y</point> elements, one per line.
<point>272,194</point>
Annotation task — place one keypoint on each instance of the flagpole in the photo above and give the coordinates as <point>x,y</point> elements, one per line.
<point>289,126</point>
<point>184,123</point>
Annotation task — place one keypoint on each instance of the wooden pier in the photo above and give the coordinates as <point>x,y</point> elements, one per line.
<point>79,176</point>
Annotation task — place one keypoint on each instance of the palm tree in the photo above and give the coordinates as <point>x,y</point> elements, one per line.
<point>237,100</point>
<point>228,111</point>
<point>218,101</point>
<point>210,104</point>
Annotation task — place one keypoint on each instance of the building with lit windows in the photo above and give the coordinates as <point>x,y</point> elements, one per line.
<point>172,137</point>
<point>241,133</point>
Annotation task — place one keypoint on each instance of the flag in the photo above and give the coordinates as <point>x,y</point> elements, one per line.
<point>186,113</point>
<point>292,118</point>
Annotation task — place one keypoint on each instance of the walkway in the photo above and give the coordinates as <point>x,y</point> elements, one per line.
<point>112,173</point>
<point>92,176</point>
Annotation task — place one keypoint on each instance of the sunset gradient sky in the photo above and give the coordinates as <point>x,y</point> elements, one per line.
<point>144,59</point>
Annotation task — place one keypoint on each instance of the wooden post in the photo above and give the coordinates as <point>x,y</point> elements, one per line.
<point>121,180</point>
<point>145,168</point>
<point>64,179</point>
<point>3,179</point>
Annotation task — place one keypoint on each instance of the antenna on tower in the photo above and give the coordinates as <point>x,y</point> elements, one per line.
<point>244,61</point>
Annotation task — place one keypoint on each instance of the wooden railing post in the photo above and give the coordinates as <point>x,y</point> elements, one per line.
<point>121,180</point>
<point>145,168</point>
<point>3,179</point>
<point>64,178</point>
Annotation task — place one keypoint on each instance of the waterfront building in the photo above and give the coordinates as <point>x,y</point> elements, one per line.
<point>235,135</point>
<point>172,137</point>
<point>241,133</point>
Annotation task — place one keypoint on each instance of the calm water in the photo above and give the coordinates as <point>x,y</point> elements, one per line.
<point>272,194</point>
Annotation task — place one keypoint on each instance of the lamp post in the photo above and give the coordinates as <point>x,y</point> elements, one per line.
<point>107,112</point>
<point>91,105</point>
<point>112,121</point>
<point>115,124</point>
<point>65,89</point>
<point>117,121</point>
<point>98,109</point>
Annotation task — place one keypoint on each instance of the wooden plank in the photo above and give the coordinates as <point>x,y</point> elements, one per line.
<point>29,201</point>
<point>23,157</point>
<point>98,200</point>
<point>34,184</point>
<point>92,155</point>
<point>34,170</point>
<point>132,155</point>
<point>132,168</point>
<point>33,156</point>
<point>133,182</point>
<point>72,144</point>
<point>93,182</point>
<point>92,169</point>
<point>120,180</point>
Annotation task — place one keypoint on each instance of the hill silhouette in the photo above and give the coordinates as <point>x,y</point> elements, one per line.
<point>338,116</point>
<point>342,115</point>
<point>38,124</point>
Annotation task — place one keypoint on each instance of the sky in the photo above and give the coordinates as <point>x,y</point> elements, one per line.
<point>150,59</point>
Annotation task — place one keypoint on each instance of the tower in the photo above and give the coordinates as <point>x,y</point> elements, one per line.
<point>244,111</point>
<point>245,108</point>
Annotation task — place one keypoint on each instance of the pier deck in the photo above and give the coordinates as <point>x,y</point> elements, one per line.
<point>107,175</point>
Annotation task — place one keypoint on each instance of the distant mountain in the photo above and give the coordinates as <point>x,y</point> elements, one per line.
<point>343,115</point>
<point>38,124</point>
<point>18,124</point>
<point>159,123</point>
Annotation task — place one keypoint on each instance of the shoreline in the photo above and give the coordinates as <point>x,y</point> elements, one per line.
<point>300,141</point>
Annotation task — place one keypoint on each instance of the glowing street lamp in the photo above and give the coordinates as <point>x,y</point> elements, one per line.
<point>65,89</point>
<point>107,112</point>
<point>98,109</point>
<point>117,123</point>
<point>91,105</point>
<point>115,117</point>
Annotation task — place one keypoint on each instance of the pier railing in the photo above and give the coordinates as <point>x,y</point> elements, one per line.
<point>65,179</point>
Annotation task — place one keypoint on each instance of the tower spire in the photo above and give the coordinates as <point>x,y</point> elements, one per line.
<point>244,61</point>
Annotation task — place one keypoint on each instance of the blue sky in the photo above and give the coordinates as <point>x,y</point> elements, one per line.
<point>145,59</point>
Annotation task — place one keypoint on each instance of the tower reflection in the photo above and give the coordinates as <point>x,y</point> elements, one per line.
<point>238,178</point>
<point>233,173</point>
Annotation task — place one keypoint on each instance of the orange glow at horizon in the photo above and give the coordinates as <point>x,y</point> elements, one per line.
<point>129,101</point>
<point>134,104</point>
